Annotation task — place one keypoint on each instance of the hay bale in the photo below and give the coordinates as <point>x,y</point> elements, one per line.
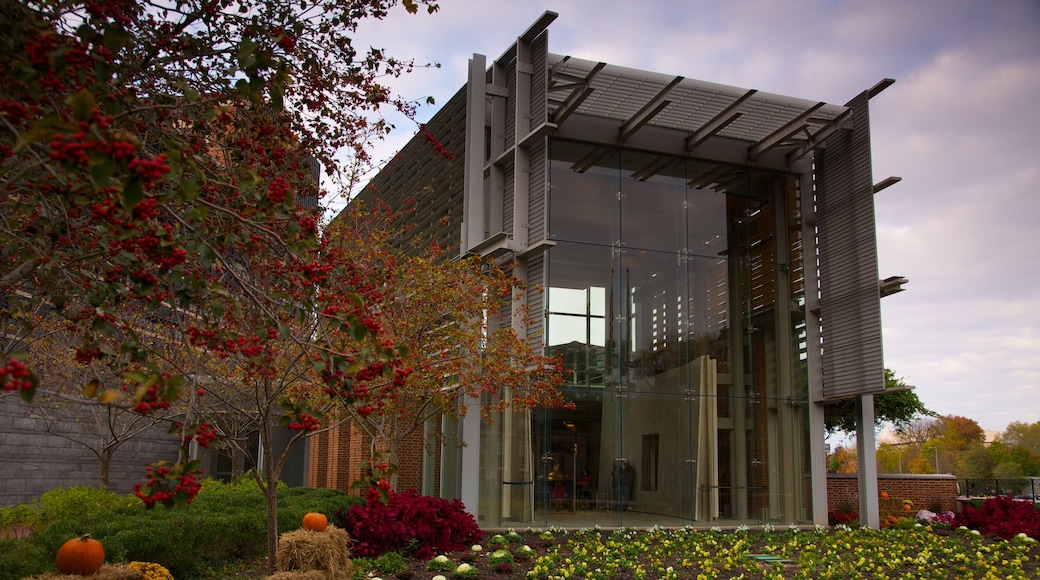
<point>327,552</point>
<point>115,572</point>
<point>310,575</point>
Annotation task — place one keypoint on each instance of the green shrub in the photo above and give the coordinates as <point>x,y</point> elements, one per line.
<point>362,566</point>
<point>226,522</point>
<point>21,558</point>
<point>86,504</point>
<point>390,563</point>
<point>25,515</point>
<point>295,502</point>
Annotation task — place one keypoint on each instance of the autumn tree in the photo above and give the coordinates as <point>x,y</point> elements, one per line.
<point>843,460</point>
<point>447,317</point>
<point>1025,435</point>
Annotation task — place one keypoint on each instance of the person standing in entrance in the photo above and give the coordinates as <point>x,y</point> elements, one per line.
<point>623,479</point>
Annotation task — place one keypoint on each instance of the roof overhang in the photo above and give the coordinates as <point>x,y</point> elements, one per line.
<point>636,99</point>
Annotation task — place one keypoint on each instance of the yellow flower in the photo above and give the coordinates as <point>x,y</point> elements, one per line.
<point>151,570</point>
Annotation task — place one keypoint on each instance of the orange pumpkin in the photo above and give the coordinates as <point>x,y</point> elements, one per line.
<point>315,521</point>
<point>82,556</point>
<point>884,495</point>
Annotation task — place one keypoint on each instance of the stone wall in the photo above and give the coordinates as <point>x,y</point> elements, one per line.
<point>33,461</point>
<point>926,491</point>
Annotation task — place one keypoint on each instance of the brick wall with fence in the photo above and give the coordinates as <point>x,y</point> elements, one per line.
<point>929,491</point>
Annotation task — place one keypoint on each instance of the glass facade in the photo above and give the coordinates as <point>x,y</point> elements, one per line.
<point>673,295</point>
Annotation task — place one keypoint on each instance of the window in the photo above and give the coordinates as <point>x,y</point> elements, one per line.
<point>651,443</point>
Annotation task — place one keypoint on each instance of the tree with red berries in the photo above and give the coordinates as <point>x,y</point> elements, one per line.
<point>159,156</point>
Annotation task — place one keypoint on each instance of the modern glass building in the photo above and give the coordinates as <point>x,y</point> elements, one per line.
<point>707,263</point>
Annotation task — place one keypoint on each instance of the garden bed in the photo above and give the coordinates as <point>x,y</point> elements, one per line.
<point>839,552</point>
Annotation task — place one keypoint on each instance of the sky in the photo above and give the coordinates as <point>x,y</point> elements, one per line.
<point>960,126</point>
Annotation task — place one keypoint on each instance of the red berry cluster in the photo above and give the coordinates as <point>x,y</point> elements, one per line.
<point>277,190</point>
<point>315,272</point>
<point>15,376</point>
<point>157,490</point>
<point>306,423</point>
<point>204,433</point>
<point>85,355</point>
<point>308,224</point>
<point>119,11</point>
<point>248,346</point>
<point>438,147</point>
<point>152,399</point>
<point>75,150</point>
<point>401,376</point>
<point>14,111</point>
<point>375,495</point>
<point>149,170</point>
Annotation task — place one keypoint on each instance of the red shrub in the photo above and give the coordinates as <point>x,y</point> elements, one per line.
<point>410,524</point>
<point>1001,516</point>
<point>842,517</point>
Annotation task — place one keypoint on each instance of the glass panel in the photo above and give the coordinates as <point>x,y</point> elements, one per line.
<point>656,314</point>
<point>583,195</point>
<point>667,304</point>
<point>653,196</point>
<point>579,280</point>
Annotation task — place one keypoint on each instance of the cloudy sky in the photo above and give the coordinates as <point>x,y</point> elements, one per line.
<point>961,126</point>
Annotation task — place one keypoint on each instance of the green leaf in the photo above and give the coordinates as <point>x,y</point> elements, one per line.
<point>132,194</point>
<point>82,104</point>
<point>358,330</point>
<point>101,169</point>
<point>115,38</point>
<point>28,394</point>
<point>135,376</point>
<point>189,189</point>
<point>246,53</point>
<point>43,130</point>
<point>207,255</point>
<point>278,88</point>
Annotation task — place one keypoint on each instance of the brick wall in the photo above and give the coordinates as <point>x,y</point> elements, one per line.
<point>926,491</point>
<point>336,457</point>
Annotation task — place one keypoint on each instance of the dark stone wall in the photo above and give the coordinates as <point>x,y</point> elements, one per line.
<point>33,461</point>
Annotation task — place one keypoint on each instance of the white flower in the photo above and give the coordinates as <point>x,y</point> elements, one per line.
<point>439,577</point>
<point>463,568</point>
<point>441,559</point>
<point>476,547</point>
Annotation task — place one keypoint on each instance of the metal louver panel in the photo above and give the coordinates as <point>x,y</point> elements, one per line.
<point>536,302</point>
<point>850,307</point>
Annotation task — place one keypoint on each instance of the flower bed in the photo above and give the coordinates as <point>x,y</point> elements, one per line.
<point>840,552</point>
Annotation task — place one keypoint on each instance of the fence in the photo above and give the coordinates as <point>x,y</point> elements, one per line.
<point>1024,488</point>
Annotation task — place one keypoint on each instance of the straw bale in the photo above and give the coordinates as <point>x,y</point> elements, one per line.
<point>310,575</point>
<point>115,572</point>
<point>327,552</point>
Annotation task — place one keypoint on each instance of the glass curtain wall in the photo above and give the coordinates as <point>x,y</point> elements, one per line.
<point>673,296</point>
